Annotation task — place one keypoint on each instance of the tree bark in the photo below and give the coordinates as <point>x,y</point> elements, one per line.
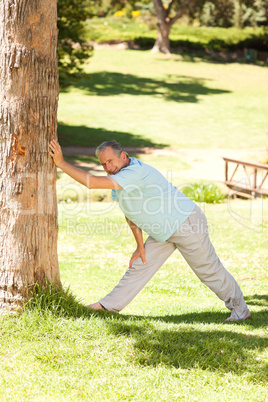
<point>162,43</point>
<point>28,121</point>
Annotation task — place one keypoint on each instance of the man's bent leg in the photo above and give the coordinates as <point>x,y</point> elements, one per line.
<point>193,242</point>
<point>138,275</point>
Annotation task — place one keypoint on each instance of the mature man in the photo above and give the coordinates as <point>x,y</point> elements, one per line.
<point>172,221</point>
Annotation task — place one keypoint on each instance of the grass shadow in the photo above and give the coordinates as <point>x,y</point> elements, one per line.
<point>257,300</point>
<point>217,57</point>
<point>257,320</point>
<point>211,57</point>
<point>91,137</point>
<point>181,345</point>
<point>188,347</point>
<point>86,163</point>
<point>175,88</point>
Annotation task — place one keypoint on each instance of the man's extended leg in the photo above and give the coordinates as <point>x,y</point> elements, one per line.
<point>138,275</point>
<point>194,244</point>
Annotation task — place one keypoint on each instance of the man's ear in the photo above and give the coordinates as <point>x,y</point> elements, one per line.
<point>123,154</point>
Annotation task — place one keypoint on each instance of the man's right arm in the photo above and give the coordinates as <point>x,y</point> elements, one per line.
<point>140,250</point>
<point>87,179</point>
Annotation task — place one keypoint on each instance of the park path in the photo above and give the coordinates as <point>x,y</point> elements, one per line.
<point>206,164</point>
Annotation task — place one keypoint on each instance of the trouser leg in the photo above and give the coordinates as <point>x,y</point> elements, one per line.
<point>138,275</point>
<point>193,242</point>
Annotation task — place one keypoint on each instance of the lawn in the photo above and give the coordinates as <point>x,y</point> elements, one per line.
<point>175,101</point>
<point>170,344</point>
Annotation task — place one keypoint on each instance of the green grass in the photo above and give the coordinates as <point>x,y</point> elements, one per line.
<point>142,99</point>
<point>169,344</point>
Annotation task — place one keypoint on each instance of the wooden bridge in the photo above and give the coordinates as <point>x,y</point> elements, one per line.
<point>251,184</point>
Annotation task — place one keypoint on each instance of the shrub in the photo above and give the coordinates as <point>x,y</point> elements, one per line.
<point>144,42</point>
<point>183,37</point>
<point>200,192</point>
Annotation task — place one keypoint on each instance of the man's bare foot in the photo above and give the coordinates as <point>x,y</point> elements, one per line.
<point>242,319</point>
<point>95,306</point>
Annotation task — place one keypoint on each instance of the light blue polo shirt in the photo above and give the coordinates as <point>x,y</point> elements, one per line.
<point>150,201</point>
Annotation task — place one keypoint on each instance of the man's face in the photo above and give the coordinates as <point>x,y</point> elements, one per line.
<point>111,163</point>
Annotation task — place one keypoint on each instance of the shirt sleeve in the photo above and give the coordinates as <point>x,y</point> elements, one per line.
<point>114,195</point>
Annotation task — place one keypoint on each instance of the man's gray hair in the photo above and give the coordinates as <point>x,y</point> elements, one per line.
<point>116,147</point>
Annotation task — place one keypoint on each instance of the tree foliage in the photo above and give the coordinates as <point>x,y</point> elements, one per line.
<point>221,13</point>
<point>228,13</point>
<point>73,49</point>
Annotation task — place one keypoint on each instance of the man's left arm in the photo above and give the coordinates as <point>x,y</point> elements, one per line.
<point>140,250</point>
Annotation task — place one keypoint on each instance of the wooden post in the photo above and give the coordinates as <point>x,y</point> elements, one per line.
<point>255,179</point>
<point>226,171</point>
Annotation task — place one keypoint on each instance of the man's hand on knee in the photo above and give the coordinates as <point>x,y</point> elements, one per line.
<point>138,253</point>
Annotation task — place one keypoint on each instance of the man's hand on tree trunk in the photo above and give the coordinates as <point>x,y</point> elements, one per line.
<point>56,153</point>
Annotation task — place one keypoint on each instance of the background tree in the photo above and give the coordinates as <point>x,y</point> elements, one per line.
<point>164,13</point>
<point>254,13</point>
<point>219,13</point>
<point>167,15</point>
<point>238,13</point>
<point>73,49</point>
<point>28,121</point>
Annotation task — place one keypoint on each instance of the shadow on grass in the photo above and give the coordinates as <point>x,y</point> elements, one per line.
<point>258,319</point>
<point>212,58</point>
<point>174,88</point>
<point>86,163</point>
<point>91,137</point>
<point>257,300</point>
<point>186,346</point>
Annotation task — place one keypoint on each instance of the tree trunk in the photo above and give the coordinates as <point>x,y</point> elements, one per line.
<point>165,22</point>
<point>162,42</point>
<point>28,121</point>
<point>163,28</point>
<point>238,12</point>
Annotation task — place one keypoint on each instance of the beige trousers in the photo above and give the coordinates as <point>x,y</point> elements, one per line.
<point>192,240</point>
